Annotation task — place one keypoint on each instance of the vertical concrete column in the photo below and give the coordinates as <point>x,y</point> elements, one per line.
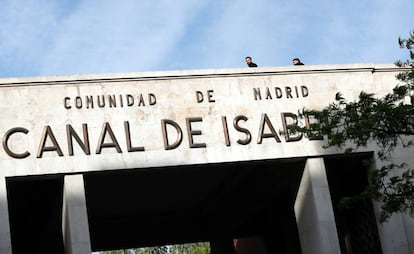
<point>409,228</point>
<point>5,240</point>
<point>75,227</point>
<point>397,233</point>
<point>314,212</point>
<point>394,233</point>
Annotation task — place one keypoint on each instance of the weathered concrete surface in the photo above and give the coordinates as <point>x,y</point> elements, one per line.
<point>213,112</point>
<point>5,241</point>
<point>75,226</point>
<point>314,212</point>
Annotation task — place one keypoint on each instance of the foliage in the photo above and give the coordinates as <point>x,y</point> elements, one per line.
<point>194,248</point>
<point>389,122</point>
<point>191,248</point>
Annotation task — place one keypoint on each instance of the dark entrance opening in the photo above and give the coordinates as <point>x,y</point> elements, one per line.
<point>133,208</point>
<point>195,203</point>
<point>356,224</point>
<point>35,214</point>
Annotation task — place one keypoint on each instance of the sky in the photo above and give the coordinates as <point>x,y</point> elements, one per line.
<point>48,37</point>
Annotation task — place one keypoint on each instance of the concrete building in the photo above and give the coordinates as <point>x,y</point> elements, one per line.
<point>98,162</point>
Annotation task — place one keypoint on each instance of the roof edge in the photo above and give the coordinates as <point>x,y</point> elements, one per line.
<point>201,73</point>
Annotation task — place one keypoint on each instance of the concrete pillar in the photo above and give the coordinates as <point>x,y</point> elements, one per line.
<point>409,228</point>
<point>393,234</point>
<point>75,227</point>
<point>5,240</point>
<point>314,212</point>
<point>397,233</point>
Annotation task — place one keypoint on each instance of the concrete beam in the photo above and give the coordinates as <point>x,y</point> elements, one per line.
<point>75,227</point>
<point>314,212</point>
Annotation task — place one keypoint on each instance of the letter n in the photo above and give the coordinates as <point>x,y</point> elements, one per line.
<point>70,132</point>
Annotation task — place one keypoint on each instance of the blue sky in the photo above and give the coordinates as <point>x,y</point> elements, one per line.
<point>48,37</point>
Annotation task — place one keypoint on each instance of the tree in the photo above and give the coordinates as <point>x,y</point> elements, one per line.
<point>193,248</point>
<point>389,122</point>
<point>190,248</point>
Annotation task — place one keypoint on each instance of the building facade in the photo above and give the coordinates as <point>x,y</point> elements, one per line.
<point>99,162</point>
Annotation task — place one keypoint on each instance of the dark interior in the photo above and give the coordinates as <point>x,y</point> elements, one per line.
<point>168,205</point>
<point>35,214</point>
<point>355,219</point>
<point>213,202</point>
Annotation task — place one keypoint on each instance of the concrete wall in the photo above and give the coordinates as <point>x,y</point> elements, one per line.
<point>200,107</point>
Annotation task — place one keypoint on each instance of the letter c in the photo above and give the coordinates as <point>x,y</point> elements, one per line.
<point>6,139</point>
<point>66,103</point>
